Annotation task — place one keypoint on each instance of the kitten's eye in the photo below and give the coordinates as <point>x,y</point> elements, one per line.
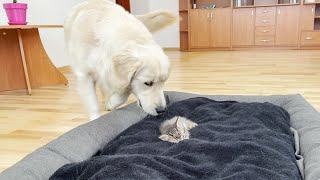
<point>149,83</point>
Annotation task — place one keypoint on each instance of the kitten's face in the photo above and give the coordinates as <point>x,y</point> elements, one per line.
<point>176,133</point>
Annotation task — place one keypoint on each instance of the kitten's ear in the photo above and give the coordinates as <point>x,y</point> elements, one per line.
<point>176,123</point>
<point>164,137</point>
<point>179,123</point>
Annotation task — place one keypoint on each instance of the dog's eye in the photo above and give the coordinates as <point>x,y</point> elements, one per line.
<point>149,83</point>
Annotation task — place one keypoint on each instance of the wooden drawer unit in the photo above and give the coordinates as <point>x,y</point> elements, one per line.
<point>265,31</point>
<point>266,11</point>
<point>265,21</point>
<point>264,40</point>
<point>310,38</point>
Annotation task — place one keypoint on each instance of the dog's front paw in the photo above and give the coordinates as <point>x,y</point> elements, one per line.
<point>110,106</point>
<point>115,101</point>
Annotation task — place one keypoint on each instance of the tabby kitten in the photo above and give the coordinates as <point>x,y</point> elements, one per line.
<point>176,129</point>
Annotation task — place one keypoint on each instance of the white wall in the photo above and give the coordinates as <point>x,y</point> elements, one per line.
<point>54,12</point>
<point>169,37</point>
<point>140,6</point>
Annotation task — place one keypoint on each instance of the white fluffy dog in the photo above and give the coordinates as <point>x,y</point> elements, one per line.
<point>115,50</point>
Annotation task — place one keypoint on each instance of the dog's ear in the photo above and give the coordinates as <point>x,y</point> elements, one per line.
<point>158,20</point>
<point>125,66</point>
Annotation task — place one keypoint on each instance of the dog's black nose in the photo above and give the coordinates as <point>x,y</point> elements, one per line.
<point>160,110</point>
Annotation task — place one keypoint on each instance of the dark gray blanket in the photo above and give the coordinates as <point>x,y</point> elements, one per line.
<point>233,141</point>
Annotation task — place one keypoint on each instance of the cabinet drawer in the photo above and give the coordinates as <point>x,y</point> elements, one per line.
<point>310,38</point>
<point>266,11</point>
<point>266,31</point>
<point>265,21</point>
<point>265,40</point>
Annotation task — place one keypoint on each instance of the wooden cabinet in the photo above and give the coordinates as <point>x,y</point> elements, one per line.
<point>264,40</point>
<point>287,28</point>
<point>310,25</point>
<point>265,31</point>
<point>221,27</point>
<point>307,17</point>
<point>310,38</point>
<point>243,27</point>
<point>266,11</point>
<point>210,28</point>
<point>200,28</point>
<point>265,21</point>
<point>258,23</point>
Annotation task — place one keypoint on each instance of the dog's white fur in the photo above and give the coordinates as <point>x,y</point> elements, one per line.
<point>115,50</point>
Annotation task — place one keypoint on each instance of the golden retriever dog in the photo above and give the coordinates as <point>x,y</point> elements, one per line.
<point>116,51</point>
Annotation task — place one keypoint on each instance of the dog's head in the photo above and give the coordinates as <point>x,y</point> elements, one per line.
<point>145,72</point>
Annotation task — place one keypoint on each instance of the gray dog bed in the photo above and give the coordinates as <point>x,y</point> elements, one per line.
<point>84,141</point>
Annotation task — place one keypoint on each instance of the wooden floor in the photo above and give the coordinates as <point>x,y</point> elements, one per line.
<point>28,122</point>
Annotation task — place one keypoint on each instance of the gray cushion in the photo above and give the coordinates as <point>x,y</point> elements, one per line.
<point>90,137</point>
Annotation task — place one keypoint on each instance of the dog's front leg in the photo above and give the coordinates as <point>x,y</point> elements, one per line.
<point>86,89</point>
<point>116,99</point>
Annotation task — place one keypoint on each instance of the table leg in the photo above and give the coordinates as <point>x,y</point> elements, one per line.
<point>24,61</point>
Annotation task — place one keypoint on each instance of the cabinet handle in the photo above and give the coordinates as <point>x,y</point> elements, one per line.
<point>208,15</point>
<point>252,13</point>
<point>265,40</point>
<point>4,33</point>
<point>211,16</point>
<point>265,11</point>
<point>265,31</point>
<point>312,10</point>
<point>308,38</point>
<point>265,21</point>
<point>279,11</point>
